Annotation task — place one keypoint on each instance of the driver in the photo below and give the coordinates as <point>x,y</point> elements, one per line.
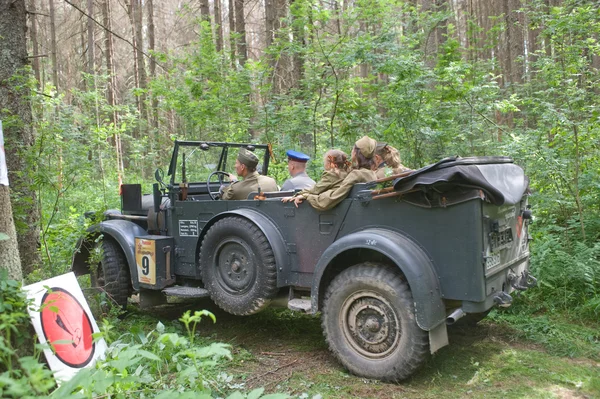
<point>245,167</point>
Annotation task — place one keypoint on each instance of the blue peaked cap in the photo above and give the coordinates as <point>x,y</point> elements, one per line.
<point>297,156</point>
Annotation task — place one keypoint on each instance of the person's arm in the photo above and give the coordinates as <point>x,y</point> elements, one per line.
<point>332,197</point>
<point>328,180</point>
<point>228,192</point>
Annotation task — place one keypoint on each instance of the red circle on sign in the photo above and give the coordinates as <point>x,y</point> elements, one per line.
<point>64,319</point>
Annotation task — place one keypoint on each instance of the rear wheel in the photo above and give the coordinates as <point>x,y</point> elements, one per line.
<point>369,323</point>
<point>238,266</point>
<point>112,273</point>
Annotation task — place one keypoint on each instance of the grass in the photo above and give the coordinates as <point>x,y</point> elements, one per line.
<point>506,356</point>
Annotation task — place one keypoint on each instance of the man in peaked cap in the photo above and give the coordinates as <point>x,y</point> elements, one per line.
<point>297,168</point>
<point>245,167</point>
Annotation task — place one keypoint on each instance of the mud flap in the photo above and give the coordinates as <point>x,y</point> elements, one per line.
<point>438,338</point>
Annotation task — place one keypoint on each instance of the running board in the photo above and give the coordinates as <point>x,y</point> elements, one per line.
<point>186,292</point>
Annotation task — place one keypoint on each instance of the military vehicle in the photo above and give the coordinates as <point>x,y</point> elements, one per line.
<point>388,268</point>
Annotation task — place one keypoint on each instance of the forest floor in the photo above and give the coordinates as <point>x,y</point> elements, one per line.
<point>285,351</point>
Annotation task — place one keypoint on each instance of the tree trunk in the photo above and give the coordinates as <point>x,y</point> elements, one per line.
<point>139,40</point>
<point>90,38</point>
<point>9,250</point>
<point>516,42</point>
<point>270,13</point>
<point>15,110</point>
<point>53,45</point>
<point>240,29</point>
<point>204,10</point>
<point>231,17</point>
<point>34,42</point>
<point>219,25</point>
<point>151,47</point>
<point>108,51</point>
<point>298,58</point>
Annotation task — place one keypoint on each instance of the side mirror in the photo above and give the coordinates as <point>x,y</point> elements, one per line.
<point>159,175</point>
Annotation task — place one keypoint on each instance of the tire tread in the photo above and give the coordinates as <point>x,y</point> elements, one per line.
<point>418,350</point>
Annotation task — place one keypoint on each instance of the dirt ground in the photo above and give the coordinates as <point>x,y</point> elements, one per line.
<point>285,351</point>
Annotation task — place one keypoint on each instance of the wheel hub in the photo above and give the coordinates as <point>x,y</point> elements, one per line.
<point>235,271</point>
<point>370,324</point>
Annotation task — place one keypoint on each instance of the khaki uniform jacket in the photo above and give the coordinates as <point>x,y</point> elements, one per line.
<point>329,180</point>
<point>334,196</point>
<point>239,190</point>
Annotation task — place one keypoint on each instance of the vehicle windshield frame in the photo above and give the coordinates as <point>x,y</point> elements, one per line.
<point>197,145</point>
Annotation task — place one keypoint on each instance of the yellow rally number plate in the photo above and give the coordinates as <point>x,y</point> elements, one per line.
<point>145,259</point>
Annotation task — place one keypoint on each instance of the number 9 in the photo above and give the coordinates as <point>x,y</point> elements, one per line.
<point>145,265</point>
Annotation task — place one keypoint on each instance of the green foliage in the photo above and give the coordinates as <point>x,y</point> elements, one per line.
<point>569,280</point>
<point>21,375</point>
<point>365,69</point>
<point>157,364</point>
<point>560,336</point>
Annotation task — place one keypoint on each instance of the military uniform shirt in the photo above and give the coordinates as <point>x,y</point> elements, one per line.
<point>298,182</point>
<point>329,179</point>
<point>332,197</point>
<point>239,190</point>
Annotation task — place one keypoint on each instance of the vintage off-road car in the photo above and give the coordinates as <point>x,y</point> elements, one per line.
<point>389,267</point>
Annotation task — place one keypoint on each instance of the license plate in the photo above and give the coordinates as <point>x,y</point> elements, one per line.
<point>501,239</point>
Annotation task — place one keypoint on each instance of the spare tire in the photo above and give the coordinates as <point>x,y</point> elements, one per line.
<point>238,266</point>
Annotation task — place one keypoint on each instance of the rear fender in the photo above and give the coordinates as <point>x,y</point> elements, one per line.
<point>122,231</point>
<point>416,266</point>
<point>266,226</point>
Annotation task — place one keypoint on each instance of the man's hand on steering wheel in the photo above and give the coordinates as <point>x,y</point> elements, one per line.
<point>222,183</point>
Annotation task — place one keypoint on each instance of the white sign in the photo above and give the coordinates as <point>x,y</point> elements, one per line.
<point>62,318</point>
<point>3,169</point>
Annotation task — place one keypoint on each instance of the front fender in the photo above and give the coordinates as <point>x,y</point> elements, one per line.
<point>416,266</point>
<point>269,230</point>
<point>123,232</point>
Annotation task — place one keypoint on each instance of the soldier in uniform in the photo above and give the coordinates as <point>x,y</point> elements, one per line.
<point>362,157</point>
<point>297,168</point>
<point>336,168</point>
<point>245,167</point>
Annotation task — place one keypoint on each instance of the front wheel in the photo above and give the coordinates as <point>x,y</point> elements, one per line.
<point>112,273</point>
<point>238,266</point>
<point>369,323</point>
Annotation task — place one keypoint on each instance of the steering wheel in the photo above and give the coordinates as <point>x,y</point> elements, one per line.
<point>220,175</point>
